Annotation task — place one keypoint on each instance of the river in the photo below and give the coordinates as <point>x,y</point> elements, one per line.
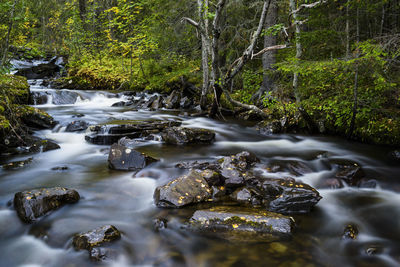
<point>126,200</point>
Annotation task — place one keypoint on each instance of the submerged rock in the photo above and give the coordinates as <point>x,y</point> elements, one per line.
<point>102,254</point>
<point>185,190</point>
<point>77,126</point>
<point>159,224</point>
<point>17,164</point>
<point>185,136</point>
<point>111,133</point>
<point>96,237</point>
<point>238,224</point>
<point>30,205</point>
<point>126,159</point>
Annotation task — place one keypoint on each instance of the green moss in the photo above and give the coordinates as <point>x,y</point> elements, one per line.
<point>14,88</point>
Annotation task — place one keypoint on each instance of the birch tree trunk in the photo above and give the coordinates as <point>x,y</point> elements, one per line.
<point>203,10</point>
<point>299,48</point>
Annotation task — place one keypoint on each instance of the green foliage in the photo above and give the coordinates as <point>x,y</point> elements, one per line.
<point>251,83</point>
<point>326,89</point>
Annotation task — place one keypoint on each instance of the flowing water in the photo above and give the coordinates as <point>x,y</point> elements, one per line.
<point>126,200</point>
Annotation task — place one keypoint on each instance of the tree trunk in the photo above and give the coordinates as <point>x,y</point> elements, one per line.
<point>268,58</point>
<point>215,73</point>
<point>7,41</point>
<point>299,48</point>
<point>203,9</point>
<point>348,29</point>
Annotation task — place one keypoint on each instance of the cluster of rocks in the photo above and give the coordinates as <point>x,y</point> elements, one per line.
<point>232,179</point>
<point>34,204</point>
<point>175,100</point>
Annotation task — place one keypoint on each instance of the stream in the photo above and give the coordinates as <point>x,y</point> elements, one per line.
<point>125,200</point>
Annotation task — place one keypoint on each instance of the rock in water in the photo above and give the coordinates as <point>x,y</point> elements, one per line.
<point>185,136</point>
<point>76,126</point>
<point>126,159</point>
<point>240,224</point>
<point>111,133</point>
<point>96,237</point>
<point>284,195</point>
<point>102,254</point>
<point>172,101</point>
<point>17,164</point>
<point>185,190</point>
<point>33,204</point>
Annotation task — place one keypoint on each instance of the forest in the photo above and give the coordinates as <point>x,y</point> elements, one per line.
<point>199,133</point>
<point>336,60</point>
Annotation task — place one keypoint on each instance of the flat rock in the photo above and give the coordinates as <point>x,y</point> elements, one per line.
<point>30,205</point>
<point>238,224</point>
<point>96,237</point>
<point>126,159</point>
<point>182,191</point>
<point>185,136</point>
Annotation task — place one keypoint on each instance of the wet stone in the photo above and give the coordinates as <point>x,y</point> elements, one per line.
<point>17,164</point>
<point>173,100</point>
<point>284,195</point>
<point>159,224</point>
<point>185,190</point>
<point>30,205</point>
<point>350,232</point>
<point>43,145</point>
<point>102,254</point>
<point>111,133</point>
<point>239,224</point>
<point>212,177</point>
<point>60,168</point>
<point>269,127</point>
<point>185,136</point>
<point>96,237</point>
<point>126,159</point>
<point>77,126</point>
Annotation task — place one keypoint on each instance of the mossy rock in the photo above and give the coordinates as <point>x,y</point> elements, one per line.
<point>15,88</point>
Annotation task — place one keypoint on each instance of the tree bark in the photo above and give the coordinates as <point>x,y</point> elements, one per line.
<point>203,9</point>
<point>299,48</point>
<point>268,58</point>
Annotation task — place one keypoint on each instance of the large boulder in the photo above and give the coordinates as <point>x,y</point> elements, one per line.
<point>124,158</point>
<point>111,133</point>
<point>30,205</point>
<point>185,136</point>
<point>238,224</point>
<point>283,195</point>
<point>182,191</point>
<point>96,237</point>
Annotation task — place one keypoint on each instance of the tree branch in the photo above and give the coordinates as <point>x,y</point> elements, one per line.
<point>270,48</point>
<point>304,6</point>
